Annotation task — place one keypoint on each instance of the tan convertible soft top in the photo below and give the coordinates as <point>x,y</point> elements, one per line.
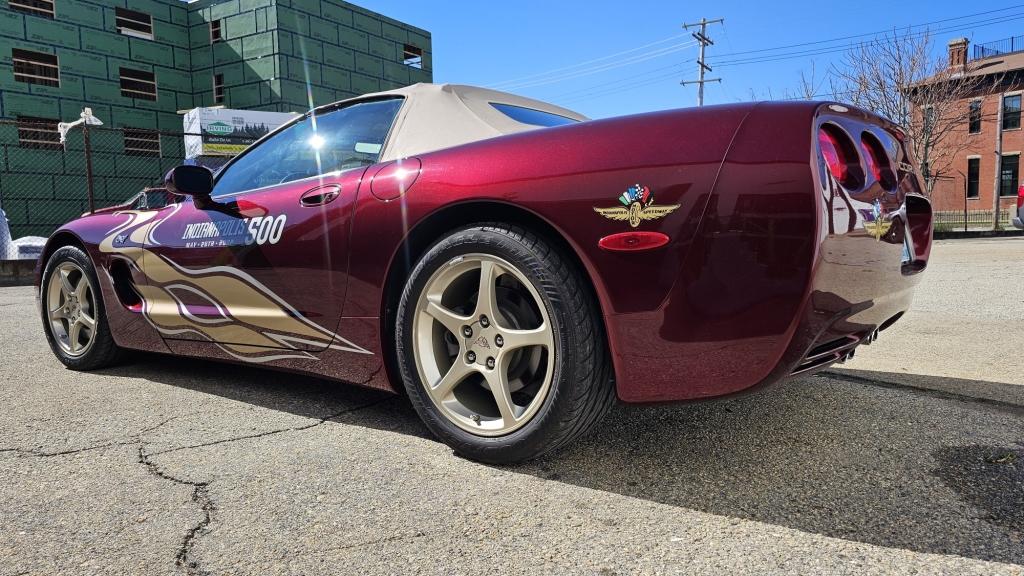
<point>437,116</point>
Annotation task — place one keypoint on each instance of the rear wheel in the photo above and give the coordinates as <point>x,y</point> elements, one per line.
<point>72,312</point>
<point>500,346</point>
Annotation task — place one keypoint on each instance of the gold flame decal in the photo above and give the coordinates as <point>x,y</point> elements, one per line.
<point>252,324</point>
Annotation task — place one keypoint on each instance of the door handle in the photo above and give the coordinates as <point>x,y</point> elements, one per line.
<point>320,195</point>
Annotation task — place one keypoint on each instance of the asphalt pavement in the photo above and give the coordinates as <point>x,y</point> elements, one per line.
<point>907,460</point>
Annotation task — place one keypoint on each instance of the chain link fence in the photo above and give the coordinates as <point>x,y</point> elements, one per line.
<point>44,183</point>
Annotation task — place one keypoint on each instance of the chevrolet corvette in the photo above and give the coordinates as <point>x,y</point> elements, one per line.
<point>510,266</point>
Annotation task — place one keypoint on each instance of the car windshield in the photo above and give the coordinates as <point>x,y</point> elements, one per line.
<point>349,137</point>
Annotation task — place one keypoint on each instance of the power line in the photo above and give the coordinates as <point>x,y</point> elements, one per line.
<point>845,47</point>
<point>631,86</point>
<point>625,85</point>
<point>604,67</point>
<point>585,63</point>
<point>702,67</point>
<point>866,34</point>
<point>623,82</point>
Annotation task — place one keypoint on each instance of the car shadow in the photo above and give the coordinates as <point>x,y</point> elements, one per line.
<point>891,466</point>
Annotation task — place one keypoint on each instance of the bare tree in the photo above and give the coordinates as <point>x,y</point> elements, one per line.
<point>811,86</point>
<point>899,77</point>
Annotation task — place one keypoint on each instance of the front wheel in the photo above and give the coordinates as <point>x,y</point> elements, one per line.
<point>73,316</point>
<point>500,345</point>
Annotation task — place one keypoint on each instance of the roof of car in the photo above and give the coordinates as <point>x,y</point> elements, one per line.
<point>437,116</point>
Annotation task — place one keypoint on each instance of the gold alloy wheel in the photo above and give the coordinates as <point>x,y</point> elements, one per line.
<point>483,345</point>
<point>71,309</point>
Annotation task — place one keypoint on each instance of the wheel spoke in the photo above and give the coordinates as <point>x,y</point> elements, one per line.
<point>487,297</point>
<point>524,338</point>
<point>455,375</point>
<point>86,321</point>
<point>65,282</point>
<point>449,319</point>
<point>81,288</point>
<point>497,380</point>
<point>57,313</point>
<point>74,332</point>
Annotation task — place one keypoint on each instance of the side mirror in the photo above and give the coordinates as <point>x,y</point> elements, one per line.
<point>189,181</point>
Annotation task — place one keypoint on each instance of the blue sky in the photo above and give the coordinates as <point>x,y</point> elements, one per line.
<point>512,45</point>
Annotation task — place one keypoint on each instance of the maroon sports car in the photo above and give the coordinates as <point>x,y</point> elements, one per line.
<point>509,265</point>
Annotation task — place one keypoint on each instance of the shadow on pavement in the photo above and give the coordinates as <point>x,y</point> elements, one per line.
<point>893,467</point>
<point>994,392</point>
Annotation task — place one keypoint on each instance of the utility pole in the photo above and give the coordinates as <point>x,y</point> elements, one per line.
<point>999,169</point>
<point>705,41</point>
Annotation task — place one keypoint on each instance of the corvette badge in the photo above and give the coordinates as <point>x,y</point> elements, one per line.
<point>637,205</point>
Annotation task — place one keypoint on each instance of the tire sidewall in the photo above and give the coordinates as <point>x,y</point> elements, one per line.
<point>533,437</point>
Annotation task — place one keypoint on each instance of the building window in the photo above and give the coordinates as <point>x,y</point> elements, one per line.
<point>35,67</point>
<point>973,171</point>
<point>139,142</point>
<point>132,23</point>
<point>412,56</point>
<point>974,124</point>
<point>215,33</point>
<point>218,88</point>
<point>42,8</point>
<point>1009,175</point>
<point>38,133</point>
<point>1011,112</point>
<point>138,84</point>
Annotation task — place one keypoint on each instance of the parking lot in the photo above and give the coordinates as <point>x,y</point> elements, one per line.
<point>908,459</point>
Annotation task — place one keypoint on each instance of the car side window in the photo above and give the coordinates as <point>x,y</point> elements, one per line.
<point>349,137</point>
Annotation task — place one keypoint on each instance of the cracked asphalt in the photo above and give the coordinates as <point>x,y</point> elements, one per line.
<point>907,460</point>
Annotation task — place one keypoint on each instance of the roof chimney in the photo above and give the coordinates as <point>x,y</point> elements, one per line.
<point>958,53</point>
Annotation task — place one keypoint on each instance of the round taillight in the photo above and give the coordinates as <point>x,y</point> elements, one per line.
<point>840,156</point>
<point>878,161</point>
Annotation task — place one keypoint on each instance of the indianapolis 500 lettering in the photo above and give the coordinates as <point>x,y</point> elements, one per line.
<point>257,230</point>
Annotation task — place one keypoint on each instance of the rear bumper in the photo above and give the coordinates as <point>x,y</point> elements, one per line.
<point>857,289</point>
<point>1018,222</point>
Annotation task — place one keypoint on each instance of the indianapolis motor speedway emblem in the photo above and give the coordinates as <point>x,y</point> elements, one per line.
<point>637,205</point>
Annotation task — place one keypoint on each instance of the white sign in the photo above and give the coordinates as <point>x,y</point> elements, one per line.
<point>224,132</point>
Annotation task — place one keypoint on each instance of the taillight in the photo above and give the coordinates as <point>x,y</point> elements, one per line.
<point>1020,197</point>
<point>840,156</point>
<point>878,161</point>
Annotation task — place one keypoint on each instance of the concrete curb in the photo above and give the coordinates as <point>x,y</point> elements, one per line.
<point>961,234</point>
<point>17,272</point>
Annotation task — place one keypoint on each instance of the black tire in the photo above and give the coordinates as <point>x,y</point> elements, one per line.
<point>582,388</point>
<point>102,350</point>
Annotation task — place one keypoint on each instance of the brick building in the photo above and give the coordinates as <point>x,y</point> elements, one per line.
<point>136,63</point>
<point>993,111</point>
